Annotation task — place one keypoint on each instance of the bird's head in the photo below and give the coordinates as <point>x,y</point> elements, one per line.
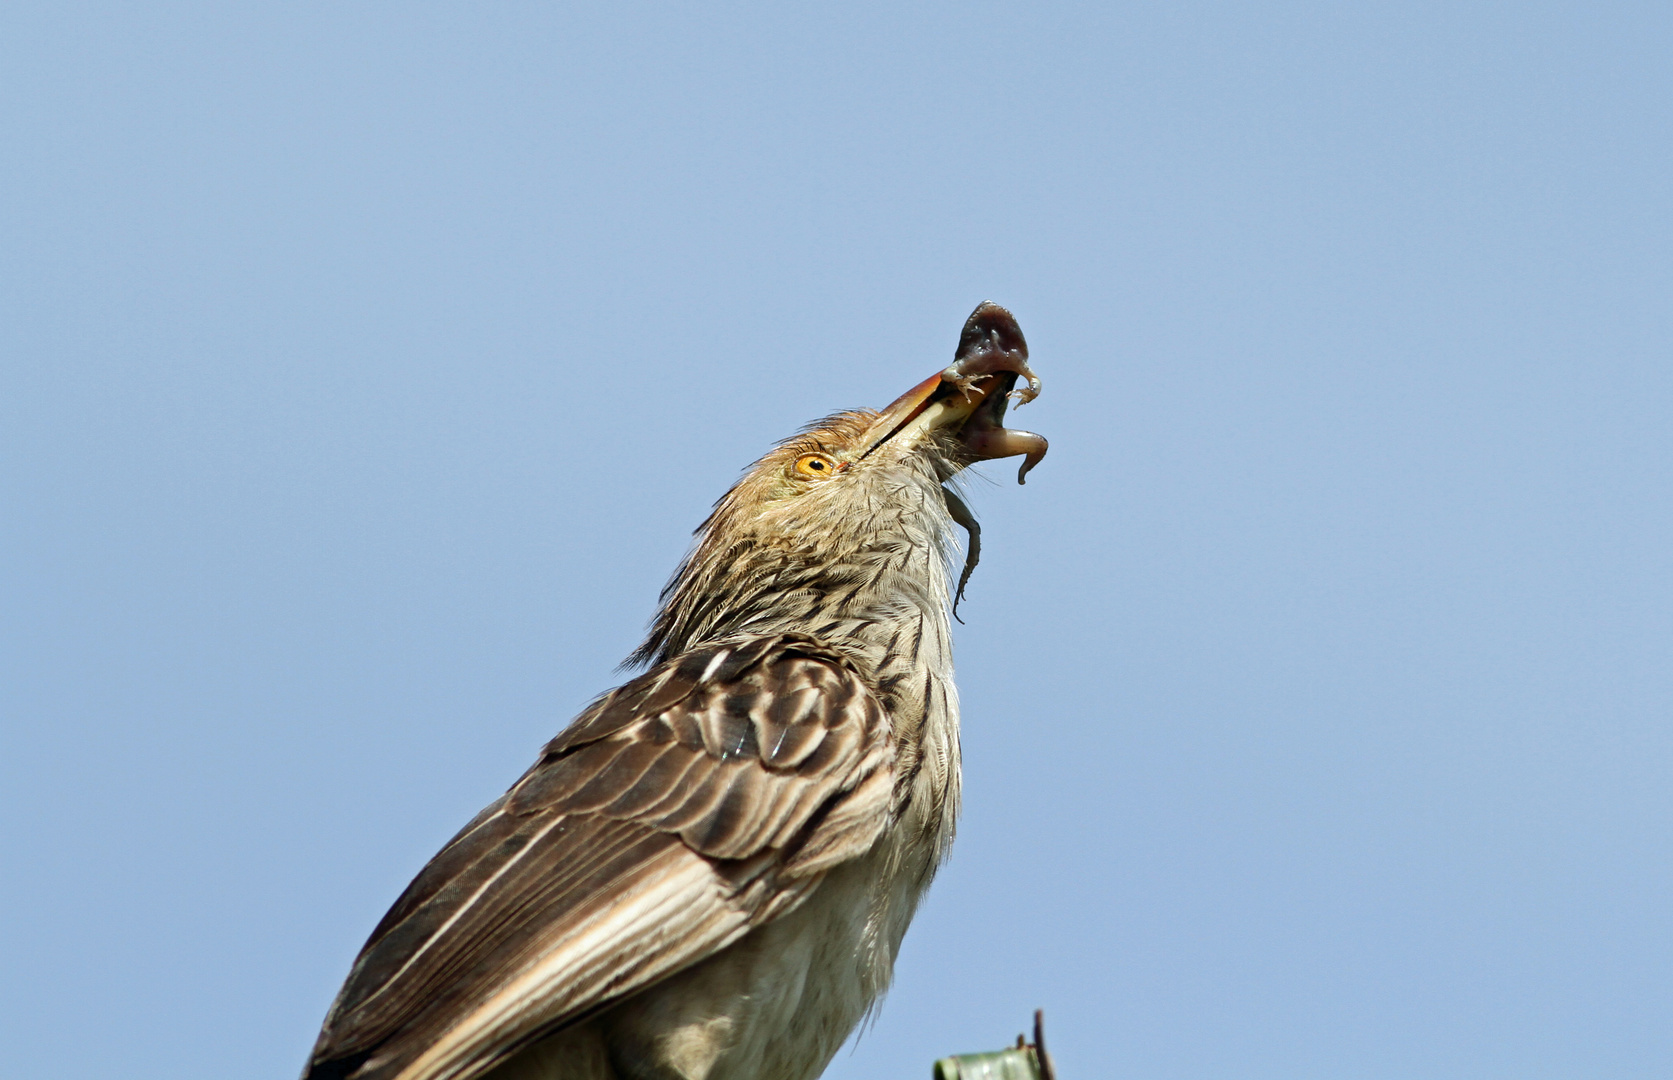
<point>842,505</point>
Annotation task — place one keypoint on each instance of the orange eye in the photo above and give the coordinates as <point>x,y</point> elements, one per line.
<point>816,467</point>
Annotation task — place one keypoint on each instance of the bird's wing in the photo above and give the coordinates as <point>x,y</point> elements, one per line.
<point>678,812</point>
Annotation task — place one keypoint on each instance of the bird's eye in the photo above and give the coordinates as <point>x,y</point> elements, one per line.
<point>816,466</point>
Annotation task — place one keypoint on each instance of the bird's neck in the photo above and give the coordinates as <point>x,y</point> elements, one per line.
<point>880,594</point>
<point>881,605</point>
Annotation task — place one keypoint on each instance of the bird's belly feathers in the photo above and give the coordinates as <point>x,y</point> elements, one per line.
<point>779,1003</point>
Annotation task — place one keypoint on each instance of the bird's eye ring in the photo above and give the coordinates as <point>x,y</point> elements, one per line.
<point>816,467</point>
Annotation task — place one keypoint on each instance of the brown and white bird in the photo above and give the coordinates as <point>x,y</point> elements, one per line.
<point>708,874</point>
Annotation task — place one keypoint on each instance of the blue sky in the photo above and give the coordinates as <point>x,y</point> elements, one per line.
<point>366,367</point>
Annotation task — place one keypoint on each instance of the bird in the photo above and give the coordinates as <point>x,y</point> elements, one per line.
<point>708,874</point>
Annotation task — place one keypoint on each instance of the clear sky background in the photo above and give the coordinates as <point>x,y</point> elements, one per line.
<point>366,367</point>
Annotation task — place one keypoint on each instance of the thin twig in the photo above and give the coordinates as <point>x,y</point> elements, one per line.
<point>1046,1070</point>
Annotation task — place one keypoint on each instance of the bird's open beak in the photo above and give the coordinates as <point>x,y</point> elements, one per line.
<point>969,398</point>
